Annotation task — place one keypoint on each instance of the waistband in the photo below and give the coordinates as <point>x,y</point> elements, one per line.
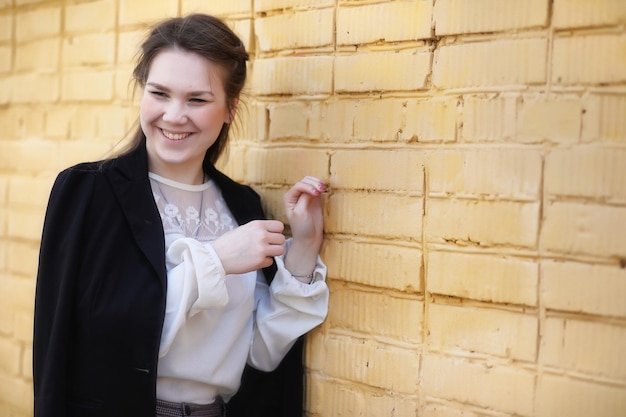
<point>172,409</point>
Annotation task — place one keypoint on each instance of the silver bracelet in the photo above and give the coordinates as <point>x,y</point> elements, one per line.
<point>309,276</point>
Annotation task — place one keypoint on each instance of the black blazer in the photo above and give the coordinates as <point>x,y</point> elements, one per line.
<point>100,298</point>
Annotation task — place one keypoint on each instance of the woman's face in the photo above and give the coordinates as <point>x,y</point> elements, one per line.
<point>182,111</point>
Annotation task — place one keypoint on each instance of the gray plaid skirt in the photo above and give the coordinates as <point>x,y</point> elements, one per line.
<point>170,409</point>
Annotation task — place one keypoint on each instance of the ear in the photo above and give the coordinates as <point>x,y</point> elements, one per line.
<point>232,110</point>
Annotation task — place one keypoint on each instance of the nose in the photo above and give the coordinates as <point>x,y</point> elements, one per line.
<point>175,113</point>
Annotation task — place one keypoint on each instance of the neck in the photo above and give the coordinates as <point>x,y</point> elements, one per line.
<point>184,176</point>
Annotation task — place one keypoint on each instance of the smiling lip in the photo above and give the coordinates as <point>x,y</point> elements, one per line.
<point>175,136</point>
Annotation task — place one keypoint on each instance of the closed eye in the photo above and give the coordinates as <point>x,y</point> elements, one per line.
<point>158,94</point>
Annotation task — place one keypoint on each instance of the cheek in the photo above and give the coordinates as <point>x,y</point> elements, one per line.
<point>148,109</point>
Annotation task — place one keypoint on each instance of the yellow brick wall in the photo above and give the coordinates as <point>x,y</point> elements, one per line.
<point>476,152</point>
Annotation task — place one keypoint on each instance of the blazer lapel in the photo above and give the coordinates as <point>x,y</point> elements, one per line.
<point>129,177</point>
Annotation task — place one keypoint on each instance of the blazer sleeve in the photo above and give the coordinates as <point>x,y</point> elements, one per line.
<point>59,261</point>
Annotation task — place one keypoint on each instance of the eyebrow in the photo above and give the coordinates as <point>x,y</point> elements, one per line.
<point>191,93</point>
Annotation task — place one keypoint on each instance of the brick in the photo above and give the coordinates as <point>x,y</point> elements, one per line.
<point>513,174</point>
<point>23,257</point>
<point>136,12</point>
<point>494,63</point>
<point>6,27</point>
<point>584,13</point>
<point>373,364</point>
<point>128,47</point>
<point>41,56</point>
<point>21,122</point>
<point>37,23</point>
<point>475,16</point>
<point>27,363</point>
<point>490,278</point>
<point>553,121</point>
<point>329,398</point>
<point>6,315</point>
<point>10,353</point>
<point>20,293</point>
<point>114,122</point>
<point>376,315</point>
<point>84,150</point>
<point>382,71</point>
<point>565,345</point>
<point>307,29</point>
<point>388,22</point>
<point>379,120</point>
<point>42,156</point>
<point>87,85</point>
<point>431,120</point>
<point>482,223</point>
<point>19,397</point>
<point>367,214</point>
<point>563,396</point>
<point>602,120</point>
<point>338,119</point>
<point>6,64</point>
<point>296,75</point>
<point>584,229</point>
<point>438,409</point>
<point>34,88</point>
<point>252,121</point>
<point>87,50</point>
<point>25,223</point>
<point>267,5</point>
<point>28,191</point>
<point>289,119</point>
<point>5,91</point>
<point>483,331</point>
<point>603,64</point>
<point>489,118</point>
<point>217,8</point>
<point>502,388</point>
<point>124,88</point>
<point>23,327</point>
<point>57,122</point>
<point>353,261</point>
<point>355,120</point>
<point>285,166</point>
<point>600,173</point>
<point>243,28</point>
<point>370,169</point>
<point>78,17</point>
<point>83,122</point>
<point>583,288</point>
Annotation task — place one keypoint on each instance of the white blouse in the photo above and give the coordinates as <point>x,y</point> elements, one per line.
<point>215,323</point>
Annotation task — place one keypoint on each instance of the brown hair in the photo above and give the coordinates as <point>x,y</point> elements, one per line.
<point>206,36</point>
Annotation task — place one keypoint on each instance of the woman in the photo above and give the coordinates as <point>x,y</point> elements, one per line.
<point>158,279</point>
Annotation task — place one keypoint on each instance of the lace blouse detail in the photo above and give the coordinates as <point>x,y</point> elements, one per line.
<point>194,211</point>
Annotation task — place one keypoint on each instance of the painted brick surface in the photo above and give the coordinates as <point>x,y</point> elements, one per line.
<point>470,16</point>
<point>281,31</point>
<point>390,22</point>
<point>495,279</point>
<point>476,213</point>
<point>491,64</point>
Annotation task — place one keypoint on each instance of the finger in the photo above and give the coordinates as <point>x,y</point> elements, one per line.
<point>274,226</point>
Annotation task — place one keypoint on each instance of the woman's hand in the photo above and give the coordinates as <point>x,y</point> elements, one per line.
<point>303,207</point>
<point>251,246</point>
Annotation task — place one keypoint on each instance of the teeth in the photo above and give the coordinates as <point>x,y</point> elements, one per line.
<point>175,136</point>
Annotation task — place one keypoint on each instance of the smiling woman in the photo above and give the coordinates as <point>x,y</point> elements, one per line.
<point>162,290</point>
<point>182,111</point>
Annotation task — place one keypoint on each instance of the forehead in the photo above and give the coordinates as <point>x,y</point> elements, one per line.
<point>175,68</point>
